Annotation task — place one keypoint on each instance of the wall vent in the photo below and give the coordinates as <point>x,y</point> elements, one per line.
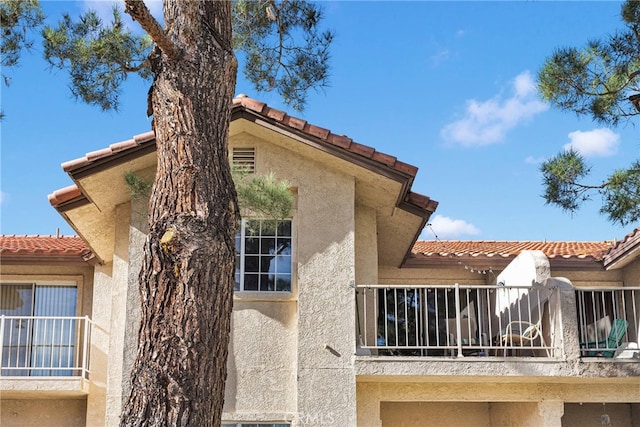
<point>244,158</point>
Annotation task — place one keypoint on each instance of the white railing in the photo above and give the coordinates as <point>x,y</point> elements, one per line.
<point>608,320</point>
<point>458,320</point>
<point>45,346</point>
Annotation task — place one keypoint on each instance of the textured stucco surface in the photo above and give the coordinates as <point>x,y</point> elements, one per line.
<point>43,413</point>
<point>291,356</point>
<point>435,414</point>
<point>300,347</point>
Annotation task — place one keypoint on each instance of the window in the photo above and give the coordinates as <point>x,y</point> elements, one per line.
<point>263,256</point>
<point>39,329</point>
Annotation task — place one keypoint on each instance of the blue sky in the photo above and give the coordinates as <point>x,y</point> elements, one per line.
<point>446,86</point>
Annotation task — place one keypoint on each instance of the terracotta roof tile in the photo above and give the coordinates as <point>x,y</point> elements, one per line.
<point>72,246</point>
<point>339,140</point>
<point>275,114</point>
<point>107,152</point>
<point>294,122</point>
<point>629,245</point>
<point>242,101</point>
<point>64,195</point>
<point>326,135</point>
<point>421,201</point>
<point>318,132</point>
<point>504,249</point>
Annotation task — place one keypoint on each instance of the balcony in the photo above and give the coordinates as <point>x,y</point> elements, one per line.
<point>457,320</point>
<point>44,354</point>
<point>608,322</point>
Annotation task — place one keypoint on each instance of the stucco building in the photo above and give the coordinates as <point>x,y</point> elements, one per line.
<point>341,317</point>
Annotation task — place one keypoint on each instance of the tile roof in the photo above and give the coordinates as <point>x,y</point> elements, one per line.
<point>63,195</point>
<point>323,134</point>
<point>15,245</point>
<point>113,149</point>
<point>622,252</point>
<point>505,249</point>
<point>243,102</point>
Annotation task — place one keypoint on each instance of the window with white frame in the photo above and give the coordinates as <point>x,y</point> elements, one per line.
<point>263,256</point>
<point>38,329</point>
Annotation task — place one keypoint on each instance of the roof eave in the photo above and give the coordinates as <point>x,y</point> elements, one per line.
<point>624,252</point>
<point>498,262</point>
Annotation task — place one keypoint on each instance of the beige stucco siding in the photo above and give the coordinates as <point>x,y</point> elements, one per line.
<point>43,412</point>
<point>301,349</point>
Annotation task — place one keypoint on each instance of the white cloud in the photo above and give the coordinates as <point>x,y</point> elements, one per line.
<point>601,142</point>
<point>534,160</point>
<point>449,228</point>
<point>487,122</point>
<point>439,57</point>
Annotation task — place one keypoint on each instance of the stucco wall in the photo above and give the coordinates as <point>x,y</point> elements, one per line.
<point>261,379</point>
<point>316,327</point>
<point>435,414</point>
<point>43,412</point>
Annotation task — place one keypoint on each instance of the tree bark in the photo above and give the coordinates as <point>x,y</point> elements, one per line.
<point>186,282</point>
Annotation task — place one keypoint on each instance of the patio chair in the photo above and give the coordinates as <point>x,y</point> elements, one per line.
<point>607,346</point>
<point>521,334</point>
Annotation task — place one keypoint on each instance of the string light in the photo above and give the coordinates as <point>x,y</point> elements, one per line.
<point>450,253</point>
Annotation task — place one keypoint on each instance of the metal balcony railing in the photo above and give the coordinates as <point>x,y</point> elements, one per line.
<point>608,321</point>
<point>39,346</point>
<point>456,320</point>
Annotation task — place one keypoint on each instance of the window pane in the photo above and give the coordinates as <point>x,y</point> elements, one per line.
<point>252,245</point>
<point>283,283</point>
<point>269,227</point>
<point>54,339</point>
<point>267,246</point>
<point>266,254</point>
<point>252,264</point>
<point>250,282</point>
<point>284,229</point>
<point>16,300</point>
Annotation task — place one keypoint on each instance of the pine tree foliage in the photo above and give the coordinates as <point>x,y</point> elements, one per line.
<point>98,55</point>
<point>179,373</point>
<point>17,19</point>
<point>262,196</point>
<point>267,33</point>
<point>598,81</point>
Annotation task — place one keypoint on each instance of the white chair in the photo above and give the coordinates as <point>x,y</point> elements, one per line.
<point>520,334</point>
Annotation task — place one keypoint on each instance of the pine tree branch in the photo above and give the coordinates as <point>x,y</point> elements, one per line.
<point>140,13</point>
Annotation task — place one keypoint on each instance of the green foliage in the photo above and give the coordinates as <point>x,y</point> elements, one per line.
<point>98,56</point>
<point>263,195</point>
<point>561,175</point>
<point>597,80</point>
<point>620,192</point>
<point>621,198</point>
<point>267,33</point>
<point>17,18</point>
<point>138,187</point>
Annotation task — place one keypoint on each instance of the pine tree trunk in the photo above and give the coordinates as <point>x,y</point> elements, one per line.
<point>186,282</point>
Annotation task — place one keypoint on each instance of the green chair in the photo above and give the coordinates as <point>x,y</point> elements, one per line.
<point>608,345</point>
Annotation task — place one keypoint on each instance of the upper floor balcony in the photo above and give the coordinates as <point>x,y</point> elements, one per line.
<point>44,354</point>
<point>548,323</point>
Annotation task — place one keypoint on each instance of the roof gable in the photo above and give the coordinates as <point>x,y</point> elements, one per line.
<point>624,251</point>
